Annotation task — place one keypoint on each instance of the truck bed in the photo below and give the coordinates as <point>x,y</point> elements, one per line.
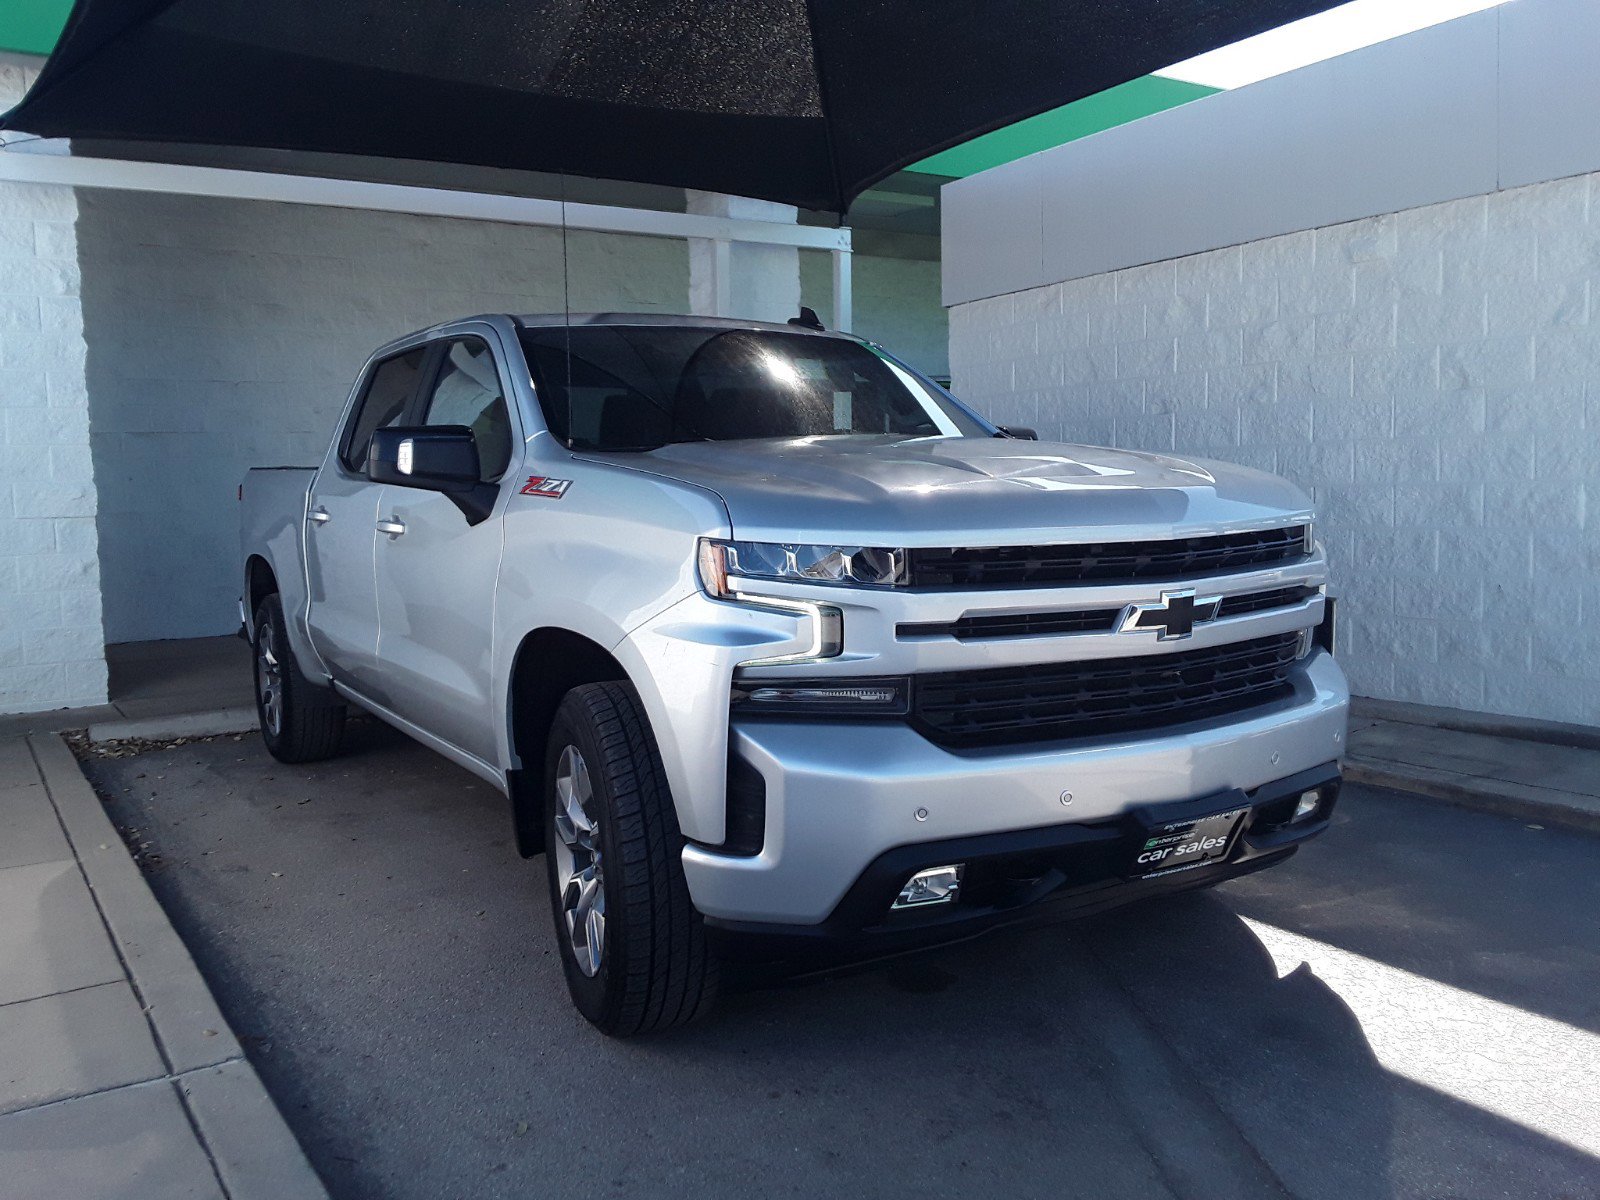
<point>272,522</point>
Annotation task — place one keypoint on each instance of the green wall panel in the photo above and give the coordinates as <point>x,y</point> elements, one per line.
<point>1114,106</point>
<point>32,26</point>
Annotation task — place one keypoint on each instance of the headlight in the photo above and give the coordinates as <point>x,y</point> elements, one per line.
<point>861,566</point>
<point>716,560</point>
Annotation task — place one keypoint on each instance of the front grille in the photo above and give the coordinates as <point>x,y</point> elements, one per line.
<point>1040,624</point>
<point>1063,700</point>
<point>1238,606</point>
<point>1103,562</point>
<point>1088,620</point>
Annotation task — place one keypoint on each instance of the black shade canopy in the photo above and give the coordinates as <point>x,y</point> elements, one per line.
<point>803,101</point>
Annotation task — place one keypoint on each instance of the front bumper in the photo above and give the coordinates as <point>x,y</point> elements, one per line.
<point>1029,876</point>
<point>841,795</point>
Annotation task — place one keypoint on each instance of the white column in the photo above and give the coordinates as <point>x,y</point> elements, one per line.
<point>843,292</point>
<point>742,279</point>
<point>52,650</point>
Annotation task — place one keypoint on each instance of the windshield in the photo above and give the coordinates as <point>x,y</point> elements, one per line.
<point>636,387</point>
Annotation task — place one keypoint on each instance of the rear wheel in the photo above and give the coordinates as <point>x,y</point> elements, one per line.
<point>300,722</point>
<point>632,945</point>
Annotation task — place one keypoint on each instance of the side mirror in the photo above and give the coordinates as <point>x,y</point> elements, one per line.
<point>1021,432</point>
<point>432,458</point>
<point>435,458</point>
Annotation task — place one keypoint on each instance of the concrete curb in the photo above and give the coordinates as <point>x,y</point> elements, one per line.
<point>254,1151</point>
<point>163,729</point>
<point>1523,729</point>
<point>1542,806</point>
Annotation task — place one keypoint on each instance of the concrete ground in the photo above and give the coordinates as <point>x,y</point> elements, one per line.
<point>119,1077</point>
<point>1409,1008</point>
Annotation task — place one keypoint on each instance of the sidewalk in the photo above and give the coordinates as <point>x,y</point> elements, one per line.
<point>119,1079</point>
<point>188,688</point>
<point>1537,772</point>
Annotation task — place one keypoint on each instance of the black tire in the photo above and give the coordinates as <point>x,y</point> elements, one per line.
<point>653,969</point>
<point>307,722</point>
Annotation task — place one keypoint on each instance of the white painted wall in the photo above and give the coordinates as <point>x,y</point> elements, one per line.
<point>1497,99</point>
<point>225,334</point>
<point>1431,372</point>
<point>51,649</point>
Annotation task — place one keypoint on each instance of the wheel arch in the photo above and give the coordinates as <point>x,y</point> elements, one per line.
<point>260,581</point>
<point>549,663</point>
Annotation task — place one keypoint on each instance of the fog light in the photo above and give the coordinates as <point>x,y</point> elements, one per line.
<point>936,885</point>
<point>844,696</point>
<point>1307,806</point>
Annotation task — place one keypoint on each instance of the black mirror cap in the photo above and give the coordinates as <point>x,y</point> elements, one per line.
<point>435,458</point>
<point>1021,432</point>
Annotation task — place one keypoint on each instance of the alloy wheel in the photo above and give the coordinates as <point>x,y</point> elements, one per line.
<point>580,876</point>
<point>269,678</point>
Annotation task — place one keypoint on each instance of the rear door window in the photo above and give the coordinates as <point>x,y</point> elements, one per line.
<point>468,393</point>
<point>389,389</point>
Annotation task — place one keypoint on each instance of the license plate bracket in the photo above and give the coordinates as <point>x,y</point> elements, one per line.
<point>1185,835</point>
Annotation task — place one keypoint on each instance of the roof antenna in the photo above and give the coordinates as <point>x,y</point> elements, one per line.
<point>566,311</point>
<point>807,319</point>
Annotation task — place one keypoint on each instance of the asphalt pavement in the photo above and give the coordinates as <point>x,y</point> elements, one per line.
<point>1408,1008</point>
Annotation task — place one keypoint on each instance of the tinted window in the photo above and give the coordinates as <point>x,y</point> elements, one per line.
<point>468,393</point>
<point>634,387</point>
<point>392,384</point>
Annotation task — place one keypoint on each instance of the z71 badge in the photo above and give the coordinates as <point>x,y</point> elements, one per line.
<point>543,485</point>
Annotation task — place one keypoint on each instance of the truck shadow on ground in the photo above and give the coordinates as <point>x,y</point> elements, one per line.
<point>387,960</point>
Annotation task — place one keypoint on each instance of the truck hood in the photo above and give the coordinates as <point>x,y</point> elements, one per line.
<point>970,491</point>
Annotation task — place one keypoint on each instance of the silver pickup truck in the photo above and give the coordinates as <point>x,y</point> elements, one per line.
<point>784,655</point>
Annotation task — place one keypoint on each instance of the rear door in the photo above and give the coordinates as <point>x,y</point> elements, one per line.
<point>341,528</point>
<point>436,579</point>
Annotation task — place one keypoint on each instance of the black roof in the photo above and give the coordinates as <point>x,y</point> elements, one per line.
<point>807,102</point>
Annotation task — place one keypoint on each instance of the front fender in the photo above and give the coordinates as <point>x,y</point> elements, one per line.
<point>682,663</point>
<point>613,552</point>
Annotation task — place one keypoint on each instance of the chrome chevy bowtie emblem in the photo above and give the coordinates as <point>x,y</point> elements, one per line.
<point>1174,617</point>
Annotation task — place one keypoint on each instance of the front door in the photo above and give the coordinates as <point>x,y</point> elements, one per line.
<point>436,573</point>
<point>341,529</point>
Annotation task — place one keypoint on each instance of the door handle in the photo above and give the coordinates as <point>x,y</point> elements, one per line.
<point>319,516</point>
<point>392,527</point>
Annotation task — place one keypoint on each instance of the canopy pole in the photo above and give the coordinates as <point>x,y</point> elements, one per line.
<point>843,300</point>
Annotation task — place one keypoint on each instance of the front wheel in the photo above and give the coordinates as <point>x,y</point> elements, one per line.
<point>632,945</point>
<point>300,722</point>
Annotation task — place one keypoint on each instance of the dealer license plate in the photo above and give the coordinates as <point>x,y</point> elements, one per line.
<point>1182,845</point>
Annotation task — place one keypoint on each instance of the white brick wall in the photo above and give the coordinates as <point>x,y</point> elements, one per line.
<point>51,649</point>
<point>224,334</point>
<point>1431,376</point>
